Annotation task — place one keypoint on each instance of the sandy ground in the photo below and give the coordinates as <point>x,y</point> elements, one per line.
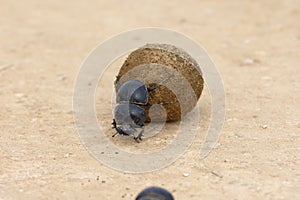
<point>256,47</point>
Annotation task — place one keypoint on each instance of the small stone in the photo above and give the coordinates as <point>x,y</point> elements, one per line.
<point>62,77</point>
<point>67,155</point>
<point>239,134</point>
<point>248,61</point>
<point>185,174</point>
<point>216,174</point>
<point>265,126</point>
<point>19,95</point>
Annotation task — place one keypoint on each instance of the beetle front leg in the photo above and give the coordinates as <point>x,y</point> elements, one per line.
<point>140,135</point>
<point>114,124</point>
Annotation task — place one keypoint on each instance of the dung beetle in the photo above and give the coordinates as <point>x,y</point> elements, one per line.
<point>128,114</point>
<point>154,193</point>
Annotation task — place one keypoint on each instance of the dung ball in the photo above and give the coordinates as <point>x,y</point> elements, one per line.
<point>177,73</point>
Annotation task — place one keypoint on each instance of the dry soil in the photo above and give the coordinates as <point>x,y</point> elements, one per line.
<point>255,45</point>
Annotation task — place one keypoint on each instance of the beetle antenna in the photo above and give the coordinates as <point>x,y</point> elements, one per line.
<point>160,83</point>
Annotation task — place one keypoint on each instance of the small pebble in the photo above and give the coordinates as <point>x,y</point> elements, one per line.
<point>248,61</point>
<point>19,95</point>
<point>216,174</point>
<point>67,155</point>
<point>239,134</point>
<point>265,126</point>
<point>185,174</point>
<point>62,78</point>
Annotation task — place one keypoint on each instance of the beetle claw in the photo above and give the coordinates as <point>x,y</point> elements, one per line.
<point>114,124</point>
<point>114,134</point>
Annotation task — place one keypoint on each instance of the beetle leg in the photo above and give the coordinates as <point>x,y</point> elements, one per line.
<point>115,134</point>
<point>114,123</point>
<point>150,89</point>
<point>148,105</point>
<point>140,135</point>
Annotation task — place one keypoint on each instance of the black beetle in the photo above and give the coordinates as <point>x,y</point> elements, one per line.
<point>128,114</point>
<point>154,193</point>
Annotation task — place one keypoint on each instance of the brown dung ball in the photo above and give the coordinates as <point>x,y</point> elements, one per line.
<point>179,74</point>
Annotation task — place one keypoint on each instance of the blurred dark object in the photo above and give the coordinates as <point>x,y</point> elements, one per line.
<point>155,193</point>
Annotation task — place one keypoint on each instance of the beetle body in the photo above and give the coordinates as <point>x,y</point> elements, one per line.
<point>154,193</point>
<point>133,92</point>
<point>128,114</point>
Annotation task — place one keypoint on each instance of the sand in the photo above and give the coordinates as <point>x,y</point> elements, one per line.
<point>255,46</point>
